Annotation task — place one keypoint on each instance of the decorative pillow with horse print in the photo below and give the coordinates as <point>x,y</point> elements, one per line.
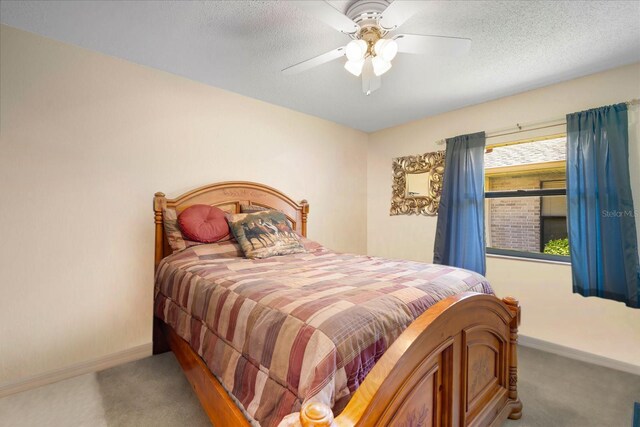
<point>264,234</point>
<point>257,208</point>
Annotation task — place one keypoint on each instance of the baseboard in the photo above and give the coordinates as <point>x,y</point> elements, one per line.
<point>95,365</point>
<point>580,355</point>
<point>144,350</point>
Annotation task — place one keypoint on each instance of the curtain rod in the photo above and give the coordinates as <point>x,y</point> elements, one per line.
<point>518,128</point>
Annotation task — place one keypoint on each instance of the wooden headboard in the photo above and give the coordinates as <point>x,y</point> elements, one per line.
<point>228,196</point>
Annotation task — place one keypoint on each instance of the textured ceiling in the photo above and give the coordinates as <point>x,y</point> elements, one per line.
<point>241,46</point>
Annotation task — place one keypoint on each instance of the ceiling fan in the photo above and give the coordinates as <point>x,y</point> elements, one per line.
<point>371,25</point>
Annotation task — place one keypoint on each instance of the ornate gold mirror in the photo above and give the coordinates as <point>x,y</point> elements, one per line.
<point>417,184</point>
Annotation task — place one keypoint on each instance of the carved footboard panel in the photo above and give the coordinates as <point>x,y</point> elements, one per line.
<point>456,365</point>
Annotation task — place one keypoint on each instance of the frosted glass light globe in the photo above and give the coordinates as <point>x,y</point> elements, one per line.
<point>387,49</point>
<point>354,67</point>
<point>380,66</point>
<point>356,50</point>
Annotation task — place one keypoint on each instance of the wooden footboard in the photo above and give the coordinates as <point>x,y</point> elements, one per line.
<point>456,365</point>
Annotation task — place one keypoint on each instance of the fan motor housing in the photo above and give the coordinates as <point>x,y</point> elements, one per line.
<point>367,12</point>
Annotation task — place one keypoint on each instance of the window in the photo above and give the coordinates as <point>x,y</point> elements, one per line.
<point>525,193</point>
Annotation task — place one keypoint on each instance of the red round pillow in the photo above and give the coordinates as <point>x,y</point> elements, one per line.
<point>203,223</point>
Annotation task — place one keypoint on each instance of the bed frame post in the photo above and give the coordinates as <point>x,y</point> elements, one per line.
<point>159,202</point>
<point>316,414</point>
<point>160,343</point>
<point>514,307</point>
<point>305,212</point>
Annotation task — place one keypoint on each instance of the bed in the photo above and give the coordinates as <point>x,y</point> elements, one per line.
<point>446,355</point>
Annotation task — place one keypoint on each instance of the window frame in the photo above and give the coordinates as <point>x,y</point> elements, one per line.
<point>543,217</point>
<point>526,193</point>
<point>541,192</point>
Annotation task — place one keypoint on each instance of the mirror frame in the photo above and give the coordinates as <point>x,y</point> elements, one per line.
<point>432,163</point>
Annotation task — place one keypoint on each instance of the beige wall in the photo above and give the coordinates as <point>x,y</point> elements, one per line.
<point>85,141</point>
<point>551,312</point>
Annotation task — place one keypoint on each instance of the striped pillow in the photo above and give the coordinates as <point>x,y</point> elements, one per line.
<point>172,230</point>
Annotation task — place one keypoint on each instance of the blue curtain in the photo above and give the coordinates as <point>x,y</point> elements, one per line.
<point>602,227</point>
<point>460,238</point>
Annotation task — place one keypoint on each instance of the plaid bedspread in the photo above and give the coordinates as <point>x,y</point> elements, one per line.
<point>283,330</point>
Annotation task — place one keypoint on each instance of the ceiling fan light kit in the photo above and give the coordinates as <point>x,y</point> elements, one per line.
<point>369,23</point>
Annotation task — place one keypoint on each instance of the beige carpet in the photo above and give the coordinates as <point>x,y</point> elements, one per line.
<point>557,391</point>
<point>153,392</point>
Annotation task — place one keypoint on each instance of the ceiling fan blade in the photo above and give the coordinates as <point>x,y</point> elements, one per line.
<point>326,13</point>
<point>314,62</point>
<point>398,12</point>
<point>370,82</point>
<point>432,45</point>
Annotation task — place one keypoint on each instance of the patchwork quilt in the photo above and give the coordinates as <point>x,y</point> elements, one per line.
<point>280,331</point>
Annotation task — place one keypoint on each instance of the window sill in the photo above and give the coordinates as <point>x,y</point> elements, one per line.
<point>527,259</point>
